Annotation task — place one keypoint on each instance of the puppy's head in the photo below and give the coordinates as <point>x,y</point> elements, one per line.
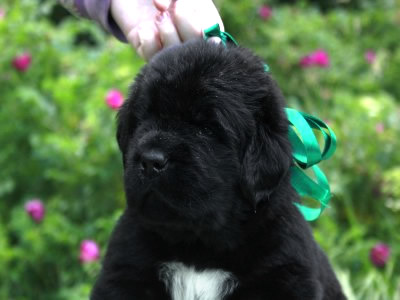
<point>203,137</point>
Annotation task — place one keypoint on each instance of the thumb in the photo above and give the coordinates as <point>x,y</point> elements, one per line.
<point>191,18</point>
<point>162,5</point>
<point>145,39</point>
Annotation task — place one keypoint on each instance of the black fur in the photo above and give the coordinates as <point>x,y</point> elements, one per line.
<point>225,199</point>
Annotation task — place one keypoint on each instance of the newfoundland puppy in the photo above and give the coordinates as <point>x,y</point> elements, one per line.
<point>210,213</point>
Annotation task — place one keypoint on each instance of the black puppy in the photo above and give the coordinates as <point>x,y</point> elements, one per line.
<point>210,212</point>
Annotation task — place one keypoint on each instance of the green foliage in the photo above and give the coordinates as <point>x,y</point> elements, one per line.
<point>57,136</point>
<point>57,143</point>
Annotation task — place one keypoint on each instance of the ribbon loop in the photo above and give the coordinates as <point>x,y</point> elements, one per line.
<point>306,149</point>
<point>306,154</point>
<point>305,146</point>
<point>215,31</point>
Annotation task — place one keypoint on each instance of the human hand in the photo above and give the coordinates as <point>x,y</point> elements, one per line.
<point>150,25</point>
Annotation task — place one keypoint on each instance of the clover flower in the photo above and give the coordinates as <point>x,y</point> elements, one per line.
<point>265,12</point>
<point>2,13</point>
<point>380,254</point>
<point>89,251</point>
<point>370,56</point>
<point>379,127</point>
<point>22,62</point>
<point>35,210</point>
<point>318,58</point>
<point>114,99</point>
<point>306,61</point>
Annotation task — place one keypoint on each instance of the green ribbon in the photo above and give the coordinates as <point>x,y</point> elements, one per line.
<point>215,31</point>
<point>306,154</point>
<point>306,150</point>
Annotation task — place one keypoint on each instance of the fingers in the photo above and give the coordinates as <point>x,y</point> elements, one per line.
<point>162,5</point>
<point>168,33</point>
<point>191,18</point>
<point>145,39</point>
<point>128,14</point>
<point>162,23</point>
<point>186,19</point>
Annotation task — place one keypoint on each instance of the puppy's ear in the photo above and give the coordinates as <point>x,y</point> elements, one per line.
<point>267,158</point>
<point>126,122</point>
<point>126,117</point>
<point>122,130</point>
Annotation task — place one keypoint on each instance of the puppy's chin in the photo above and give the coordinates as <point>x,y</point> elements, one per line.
<point>153,210</point>
<point>166,214</point>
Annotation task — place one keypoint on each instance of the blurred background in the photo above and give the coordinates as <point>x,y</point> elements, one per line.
<point>62,80</point>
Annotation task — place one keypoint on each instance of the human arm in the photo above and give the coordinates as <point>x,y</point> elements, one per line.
<point>149,25</point>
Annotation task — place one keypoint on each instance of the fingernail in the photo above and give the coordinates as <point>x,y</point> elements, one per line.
<point>162,17</point>
<point>215,39</point>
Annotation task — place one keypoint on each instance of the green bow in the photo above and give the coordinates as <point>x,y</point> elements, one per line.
<point>307,154</point>
<point>306,150</point>
<point>215,31</point>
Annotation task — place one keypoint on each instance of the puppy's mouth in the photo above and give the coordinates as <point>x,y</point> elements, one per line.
<point>154,208</point>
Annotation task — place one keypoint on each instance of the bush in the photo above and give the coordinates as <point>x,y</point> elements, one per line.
<point>58,144</point>
<point>57,136</point>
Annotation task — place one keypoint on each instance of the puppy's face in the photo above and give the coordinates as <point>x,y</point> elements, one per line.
<point>203,137</point>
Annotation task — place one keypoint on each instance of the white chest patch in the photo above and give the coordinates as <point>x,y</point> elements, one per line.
<point>186,283</point>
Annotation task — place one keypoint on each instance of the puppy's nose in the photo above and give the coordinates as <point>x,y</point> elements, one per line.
<point>153,162</point>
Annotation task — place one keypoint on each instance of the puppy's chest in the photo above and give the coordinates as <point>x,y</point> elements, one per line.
<point>186,283</point>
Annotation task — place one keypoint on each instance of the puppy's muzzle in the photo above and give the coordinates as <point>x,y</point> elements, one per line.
<point>152,162</point>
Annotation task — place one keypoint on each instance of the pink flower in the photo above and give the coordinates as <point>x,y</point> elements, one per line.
<point>379,254</point>
<point>370,56</point>
<point>114,99</point>
<point>306,61</point>
<point>317,58</point>
<point>2,13</point>
<point>379,128</point>
<point>321,58</point>
<point>35,209</point>
<point>265,12</point>
<point>22,62</point>
<point>89,251</point>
